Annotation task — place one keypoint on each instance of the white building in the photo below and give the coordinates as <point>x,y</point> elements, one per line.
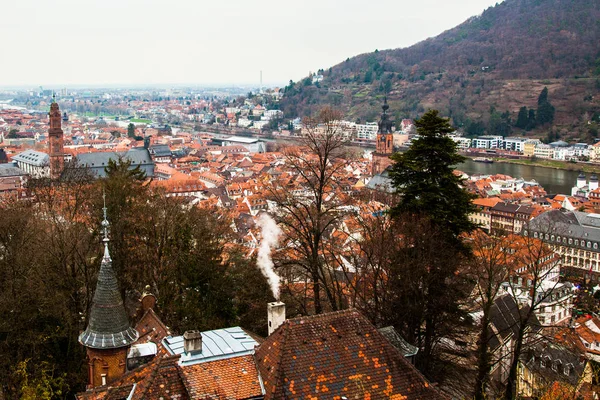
<point>367,131</point>
<point>271,114</point>
<point>488,142</point>
<point>34,163</point>
<point>515,144</point>
<point>543,151</point>
<point>463,143</point>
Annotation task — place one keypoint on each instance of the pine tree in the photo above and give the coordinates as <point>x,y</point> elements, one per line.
<point>531,122</point>
<point>424,176</point>
<point>432,214</point>
<point>522,118</point>
<point>131,130</point>
<point>545,112</point>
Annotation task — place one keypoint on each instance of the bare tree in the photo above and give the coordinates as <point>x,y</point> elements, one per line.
<point>309,201</point>
<point>488,269</point>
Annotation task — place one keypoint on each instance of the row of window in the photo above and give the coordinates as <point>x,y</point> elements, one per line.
<point>564,240</point>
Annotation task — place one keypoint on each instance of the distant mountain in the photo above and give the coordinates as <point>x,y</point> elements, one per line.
<point>481,73</point>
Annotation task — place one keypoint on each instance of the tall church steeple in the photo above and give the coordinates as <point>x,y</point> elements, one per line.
<point>384,146</point>
<point>385,138</point>
<point>108,335</point>
<point>55,141</point>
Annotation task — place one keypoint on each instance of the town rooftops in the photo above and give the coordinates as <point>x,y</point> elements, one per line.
<point>513,208</point>
<point>7,170</point>
<point>32,157</point>
<point>333,355</point>
<point>217,344</point>
<point>237,139</point>
<point>571,224</point>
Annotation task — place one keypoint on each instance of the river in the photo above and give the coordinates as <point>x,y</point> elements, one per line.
<point>553,180</point>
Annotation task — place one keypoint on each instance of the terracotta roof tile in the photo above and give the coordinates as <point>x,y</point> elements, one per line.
<point>335,354</point>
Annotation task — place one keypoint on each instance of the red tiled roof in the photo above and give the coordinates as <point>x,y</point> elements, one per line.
<point>232,378</point>
<point>337,354</point>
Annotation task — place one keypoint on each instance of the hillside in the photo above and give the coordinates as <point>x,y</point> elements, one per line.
<point>480,73</point>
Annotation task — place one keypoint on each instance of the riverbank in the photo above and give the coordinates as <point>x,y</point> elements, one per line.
<point>554,164</point>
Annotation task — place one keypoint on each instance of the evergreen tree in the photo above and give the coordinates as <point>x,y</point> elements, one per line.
<point>531,122</point>
<point>522,118</point>
<point>427,285</point>
<point>543,97</point>
<point>131,130</point>
<point>424,176</point>
<point>545,112</point>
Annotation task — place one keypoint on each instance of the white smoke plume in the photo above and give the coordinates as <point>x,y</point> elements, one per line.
<point>270,236</point>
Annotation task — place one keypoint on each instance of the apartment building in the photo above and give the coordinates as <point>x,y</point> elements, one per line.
<point>575,236</point>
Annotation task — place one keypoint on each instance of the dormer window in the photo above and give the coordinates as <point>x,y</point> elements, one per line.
<point>568,369</point>
<point>557,366</point>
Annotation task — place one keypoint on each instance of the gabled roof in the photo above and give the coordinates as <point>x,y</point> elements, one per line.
<point>337,354</point>
<point>224,379</point>
<point>32,157</point>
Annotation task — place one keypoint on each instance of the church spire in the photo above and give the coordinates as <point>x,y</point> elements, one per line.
<point>108,326</point>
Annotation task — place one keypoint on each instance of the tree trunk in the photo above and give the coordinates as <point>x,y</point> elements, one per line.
<point>317,293</point>
<point>483,359</point>
<point>511,384</point>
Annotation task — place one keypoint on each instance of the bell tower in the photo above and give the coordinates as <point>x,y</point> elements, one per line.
<point>108,335</point>
<point>55,141</point>
<point>385,142</point>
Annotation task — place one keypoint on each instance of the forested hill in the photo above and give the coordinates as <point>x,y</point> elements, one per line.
<point>496,62</point>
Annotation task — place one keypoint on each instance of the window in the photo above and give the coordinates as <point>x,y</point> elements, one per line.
<point>595,245</point>
<point>567,369</point>
<point>535,235</point>
<point>589,244</point>
<point>576,242</point>
<point>552,238</point>
<point>570,241</point>
<point>103,377</point>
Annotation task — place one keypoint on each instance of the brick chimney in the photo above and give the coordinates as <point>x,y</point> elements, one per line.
<point>192,341</point>
<point>275,315</point>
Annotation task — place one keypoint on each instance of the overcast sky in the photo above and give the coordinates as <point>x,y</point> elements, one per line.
<point>128,42</point>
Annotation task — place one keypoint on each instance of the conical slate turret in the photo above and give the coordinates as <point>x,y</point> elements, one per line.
<point>108,325</point>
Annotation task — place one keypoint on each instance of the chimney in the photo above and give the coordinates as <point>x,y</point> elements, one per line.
<point>275,315</point>
<point>192,341</point>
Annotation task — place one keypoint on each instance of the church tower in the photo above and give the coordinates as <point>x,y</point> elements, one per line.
<point>55,141</point>
<point>108,335</point>
<point>385,143</point>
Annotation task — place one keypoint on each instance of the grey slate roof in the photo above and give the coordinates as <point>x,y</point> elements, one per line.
<point>160,150</point>
<point>572,224</point>
<point>97,162</point>
<point>10,170</point>
<point>108,326</point>
<point>382,182</point>
<point>407,349</point>
<point>555,363</point>
<point>32,157</point>
<point>218,344</point>
<point>506,318</point>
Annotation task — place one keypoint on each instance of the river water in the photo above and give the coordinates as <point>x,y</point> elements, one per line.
<point>553,180</point>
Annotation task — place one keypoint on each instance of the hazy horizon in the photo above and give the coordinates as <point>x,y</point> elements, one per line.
<point>133,43</point>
